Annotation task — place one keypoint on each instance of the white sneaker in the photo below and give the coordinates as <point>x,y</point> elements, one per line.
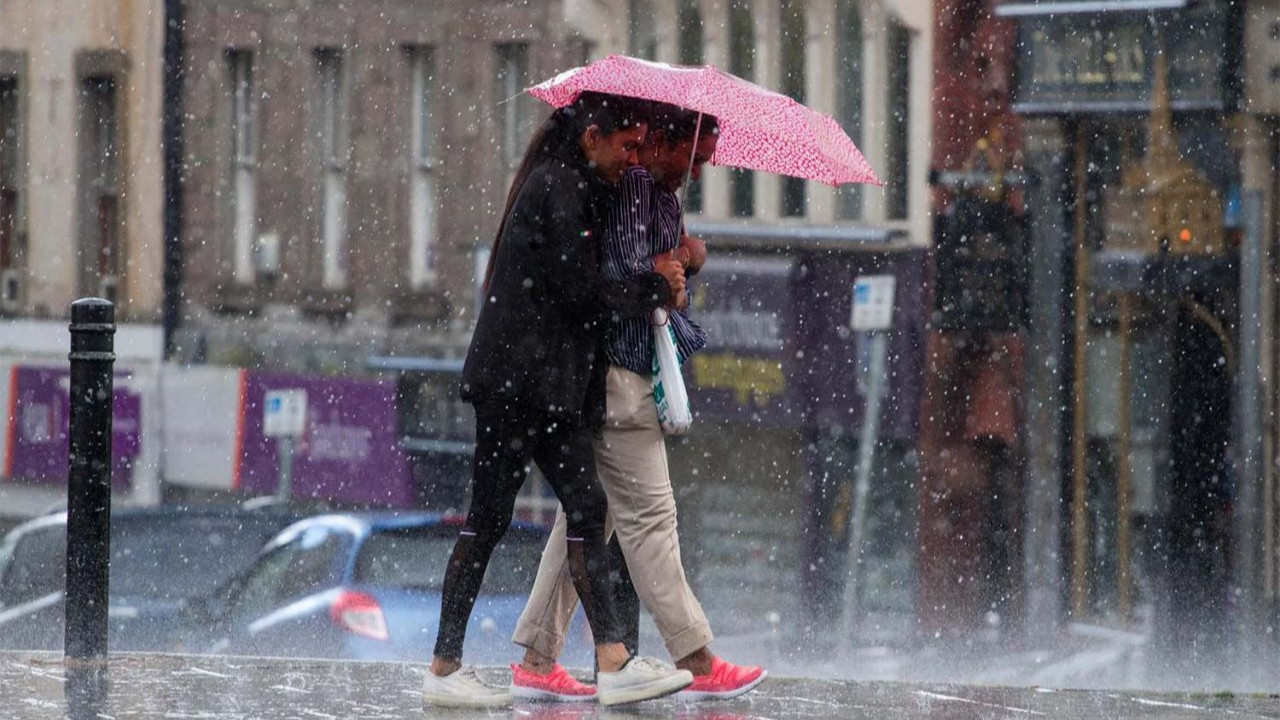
<point>641,678</point>
<point>463,688</point>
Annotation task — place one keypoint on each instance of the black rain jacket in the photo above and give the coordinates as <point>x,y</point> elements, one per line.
<point>539,343</point>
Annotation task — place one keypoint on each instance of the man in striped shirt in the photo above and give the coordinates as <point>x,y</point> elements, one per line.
<point>631,455</point>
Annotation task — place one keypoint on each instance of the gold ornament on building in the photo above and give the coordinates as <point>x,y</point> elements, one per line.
<point>1164,200</point>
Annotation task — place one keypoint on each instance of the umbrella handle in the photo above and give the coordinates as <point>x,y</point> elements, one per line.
<point>688,172</point>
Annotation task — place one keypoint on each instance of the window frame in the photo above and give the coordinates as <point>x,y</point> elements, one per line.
<point>850,94</point>
<point>742,62</point>
<point>332,129</point>
<point>12,181</point>
<point>244,162</point>
<point>424,140</point>
<point>511,76</point>
<point>793,75</point>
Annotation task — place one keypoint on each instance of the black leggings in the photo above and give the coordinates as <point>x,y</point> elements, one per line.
<point>505,443</point>
<point>626,602</point>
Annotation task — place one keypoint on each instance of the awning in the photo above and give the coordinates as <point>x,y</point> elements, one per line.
<point>756,234</point>
<point>391,363</point>
<point>1063,7</point>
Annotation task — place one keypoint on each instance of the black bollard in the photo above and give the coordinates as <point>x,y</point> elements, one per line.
<point>89,483</point>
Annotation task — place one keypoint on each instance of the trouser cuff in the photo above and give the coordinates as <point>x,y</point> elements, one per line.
<point>540,640</point>
<point>686,641</point>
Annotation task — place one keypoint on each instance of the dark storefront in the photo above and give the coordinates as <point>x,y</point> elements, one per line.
<point>1134,235</point>
<point>765,480</point>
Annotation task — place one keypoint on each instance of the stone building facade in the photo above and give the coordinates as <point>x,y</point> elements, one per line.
<point>81,214</point>
<point>81,193</point>
<point>347,163</point>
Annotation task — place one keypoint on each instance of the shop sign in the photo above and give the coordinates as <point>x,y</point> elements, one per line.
<point>1099,61</point>
<point>744,304</point>
<point>348,451</point>
<point>39,427</point>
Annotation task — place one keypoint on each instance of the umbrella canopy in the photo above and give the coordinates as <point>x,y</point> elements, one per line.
<point>759,129</point>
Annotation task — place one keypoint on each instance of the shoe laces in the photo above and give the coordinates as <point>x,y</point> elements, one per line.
<point>470,676</point>
<point>649,665</point>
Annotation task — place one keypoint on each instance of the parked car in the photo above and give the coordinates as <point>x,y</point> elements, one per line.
<point>367,586</point>
<point>160,558</point>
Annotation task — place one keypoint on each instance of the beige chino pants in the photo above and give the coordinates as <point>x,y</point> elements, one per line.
<point>631,457</point>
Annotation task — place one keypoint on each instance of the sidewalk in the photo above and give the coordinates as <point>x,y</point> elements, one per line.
<point>146,686</point>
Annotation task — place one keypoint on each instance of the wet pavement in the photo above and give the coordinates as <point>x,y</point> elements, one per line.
<point>135,686</point>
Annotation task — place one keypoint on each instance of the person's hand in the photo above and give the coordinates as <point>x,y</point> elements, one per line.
<point>672,270</point>
<point>695,251</point>
<point>681,301</point>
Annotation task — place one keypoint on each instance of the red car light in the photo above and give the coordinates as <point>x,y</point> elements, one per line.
<point>359,613</point>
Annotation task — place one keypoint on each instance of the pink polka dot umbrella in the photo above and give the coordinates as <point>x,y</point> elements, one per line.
<point>759,129</point>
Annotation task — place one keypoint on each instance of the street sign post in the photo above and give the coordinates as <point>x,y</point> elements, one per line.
<point>285,418</point>
<point>872,313</point>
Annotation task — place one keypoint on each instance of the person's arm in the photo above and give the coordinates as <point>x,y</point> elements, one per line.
<point>569,262</point>
<point>626,241</point>
<point>627,245</point>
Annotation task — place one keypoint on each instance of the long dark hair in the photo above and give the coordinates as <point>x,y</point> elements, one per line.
<point>555,138</point>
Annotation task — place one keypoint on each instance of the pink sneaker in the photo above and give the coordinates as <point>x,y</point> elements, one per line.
<point>725,681</point>
<point>556,686</point>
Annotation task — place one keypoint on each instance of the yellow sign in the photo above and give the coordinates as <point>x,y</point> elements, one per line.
<point>752,380</point>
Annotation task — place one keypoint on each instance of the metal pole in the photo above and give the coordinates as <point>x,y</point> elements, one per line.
<point>1249,546</point>
<point>1124,456</point>
<point>284,449</point>
<point>89,482</point>
<point>862,484</point>
<point>1079,406</point>
<point>1048,153</point>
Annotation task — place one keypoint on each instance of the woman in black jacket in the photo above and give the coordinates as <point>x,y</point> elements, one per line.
<point>535,374</point>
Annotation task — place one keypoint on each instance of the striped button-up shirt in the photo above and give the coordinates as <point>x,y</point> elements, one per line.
<point>644,223</point>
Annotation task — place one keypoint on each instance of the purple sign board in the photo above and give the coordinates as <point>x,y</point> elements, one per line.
<point>831,356</point>
<point>39,427</point>
<point>348,453</point>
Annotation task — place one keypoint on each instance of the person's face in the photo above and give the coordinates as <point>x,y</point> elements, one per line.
<point>613,153</point>
<point>669,162</point>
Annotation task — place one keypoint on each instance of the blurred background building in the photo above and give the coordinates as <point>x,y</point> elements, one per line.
<point>1128,152</point>
<point>81,201</point>
<point>1080,211</point>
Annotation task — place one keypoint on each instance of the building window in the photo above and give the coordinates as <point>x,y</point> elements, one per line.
<point>101,222</point>
<point>10,172</point>
<point>849,94</point>
<point>514,112</point>
<point>742,62</point>
<point>642,30</point>
<point>244,163</point>
<point>690,52</point>
<point>333,159</point>
<point>899,123</point>
<point>792,48</point>
<point>422,183</point>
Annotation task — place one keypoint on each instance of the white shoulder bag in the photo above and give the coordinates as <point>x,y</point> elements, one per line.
<point>669,393</point>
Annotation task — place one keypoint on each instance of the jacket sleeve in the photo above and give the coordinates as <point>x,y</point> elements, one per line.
<point>571,262</point>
